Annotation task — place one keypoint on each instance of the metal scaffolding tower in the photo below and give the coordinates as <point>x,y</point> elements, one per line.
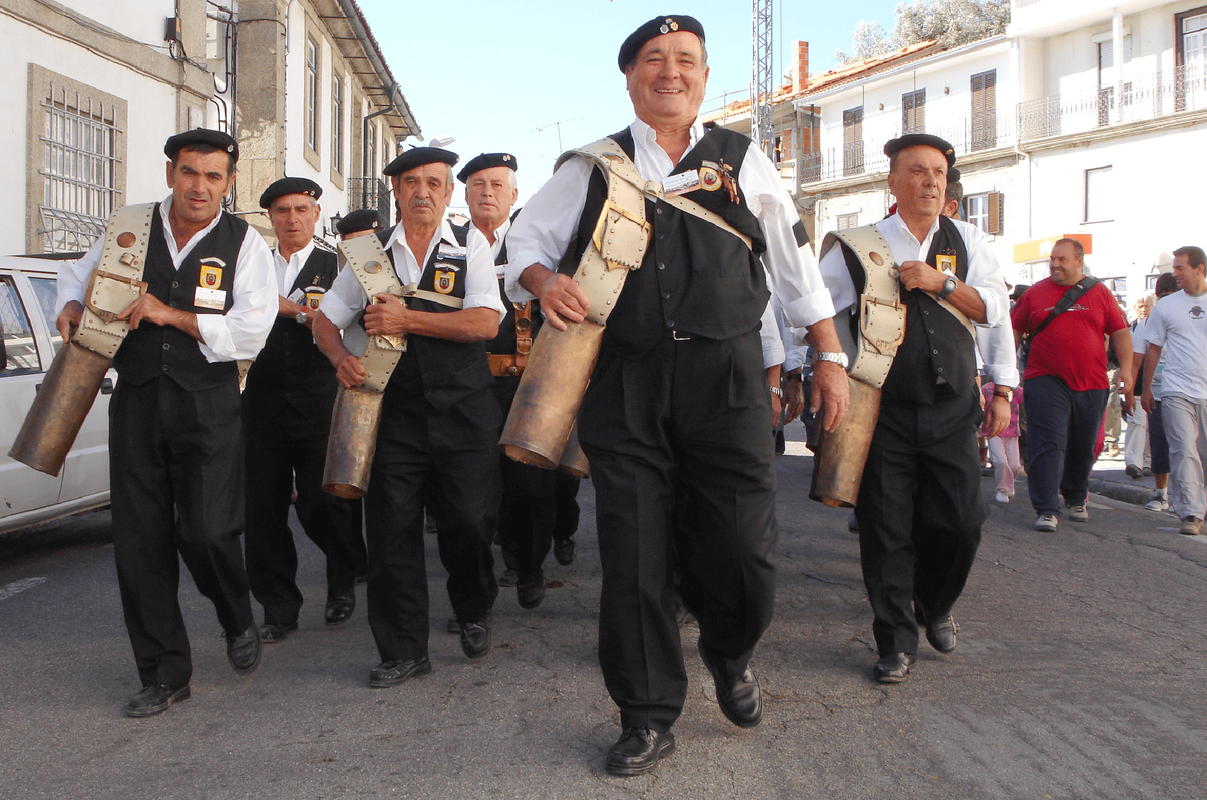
<point>762,129</point>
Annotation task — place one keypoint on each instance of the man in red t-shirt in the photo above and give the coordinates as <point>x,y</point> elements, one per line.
<point>1066,383</point>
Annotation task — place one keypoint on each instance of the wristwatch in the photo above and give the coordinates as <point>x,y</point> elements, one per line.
<point>302,317</point>
<point>1005,392</point>
<point>838,358</point>
<point>949,286</point>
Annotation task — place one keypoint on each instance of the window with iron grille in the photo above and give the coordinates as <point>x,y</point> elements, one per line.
<point>913,112</point>
<point>78,143</point>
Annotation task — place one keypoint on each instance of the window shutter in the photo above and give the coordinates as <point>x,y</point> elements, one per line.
<point>996,213</point>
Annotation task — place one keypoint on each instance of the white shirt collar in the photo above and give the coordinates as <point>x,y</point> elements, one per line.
<point>904,230</point>
<point>164,207</point>
<point>647,137</point>
<point>299,257</point>
<point>399,237</point>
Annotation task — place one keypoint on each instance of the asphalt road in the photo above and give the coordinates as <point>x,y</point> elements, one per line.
<point>1079,674</point>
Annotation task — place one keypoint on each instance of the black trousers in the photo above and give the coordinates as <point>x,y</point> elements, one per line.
<point>279,447</point>
<point>690,418</point>
<point>920,512</point>
<point>539,507</point>
<point>452,460</point>
<point>176,487</point>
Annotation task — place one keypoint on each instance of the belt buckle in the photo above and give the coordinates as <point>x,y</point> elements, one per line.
<point>675,335</point>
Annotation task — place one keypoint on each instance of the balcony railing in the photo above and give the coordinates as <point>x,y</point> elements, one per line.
<point>867,157</point>
<point>370,193</point>
<point>1142,98</point>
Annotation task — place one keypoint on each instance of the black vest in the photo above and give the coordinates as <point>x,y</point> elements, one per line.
<point>291,369</point>
<point>936,344</point>
<point>441,370</point>
<point>155,350</point>
<point>696,279</point>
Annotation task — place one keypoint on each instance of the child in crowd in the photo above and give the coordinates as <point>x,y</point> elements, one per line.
<point>1003,448</point>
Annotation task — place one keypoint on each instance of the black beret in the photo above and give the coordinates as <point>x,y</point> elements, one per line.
<point>656,27</point>
<point>486,161</point>
<point>218,139</point>
<point>953,174</point>
<point>894,146</point>
<point>417,157</point>
<point>364,219</point>
<point>290,186</point>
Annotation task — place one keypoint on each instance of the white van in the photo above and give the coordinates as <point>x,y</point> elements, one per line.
<point>28,342</point>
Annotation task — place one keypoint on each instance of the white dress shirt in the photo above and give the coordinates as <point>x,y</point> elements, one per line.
<point>544,228</point>
<point>240,333</point>
<point>995,339</point>
<point>346,298</point>
<point>287,271</point>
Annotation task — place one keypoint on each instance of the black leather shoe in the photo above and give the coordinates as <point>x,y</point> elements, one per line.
<point>339,609</point>
<point>530,593</point>
<point>509,578</point>
<point>941,633</point>
<point>564,551</point>
<point>740,698</point>
<point>155,699</point>
<point>638,750</point>
<point>273,632</point>
<point>475,639</point>
<point>392,673</point>
<point>243,650</point>
<point>893,667</point>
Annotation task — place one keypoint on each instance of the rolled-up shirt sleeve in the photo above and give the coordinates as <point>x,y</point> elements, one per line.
<point>986,277</point>
<point>240,333</point>
<point>481,283</point>
<point>73,277</point>
<point>795,278</point>
<point>542,232</point>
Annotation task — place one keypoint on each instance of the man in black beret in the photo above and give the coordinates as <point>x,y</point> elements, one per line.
<point>529,519</point>
<point>438,435</point>
<point>920,506</point>
<point>287,418</point>
<point>176,465</point>
<point>679,404</point>
<point>361,222</point>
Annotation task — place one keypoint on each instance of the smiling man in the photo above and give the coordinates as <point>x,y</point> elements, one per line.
<point>678,403</point>
<point>175,453</point>
<point>1066,380</point>
<point>920,507</point>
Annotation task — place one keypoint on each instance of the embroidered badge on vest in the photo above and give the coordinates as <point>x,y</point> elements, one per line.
<point>445,280</point>
<point>314,296</point>
<point>946,262</point>
<point>710,177</point>
<point>208,295</point>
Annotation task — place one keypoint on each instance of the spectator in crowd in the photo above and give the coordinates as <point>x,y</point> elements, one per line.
<point>1003,448</point>
<point>1066,380</point>
<point>1157,444</point>
<point>1136,456</point>
<point>1177,332</point>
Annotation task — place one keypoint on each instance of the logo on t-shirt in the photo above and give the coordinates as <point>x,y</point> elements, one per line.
<point>1196,312</point>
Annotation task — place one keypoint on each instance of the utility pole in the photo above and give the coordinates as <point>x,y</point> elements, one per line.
<point>762,127</point>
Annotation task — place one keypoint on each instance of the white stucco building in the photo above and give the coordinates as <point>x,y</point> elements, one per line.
<point>1054,134</point>
<point>94,88</point>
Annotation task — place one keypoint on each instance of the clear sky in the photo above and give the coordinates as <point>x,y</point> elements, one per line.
<point>537,77</point>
